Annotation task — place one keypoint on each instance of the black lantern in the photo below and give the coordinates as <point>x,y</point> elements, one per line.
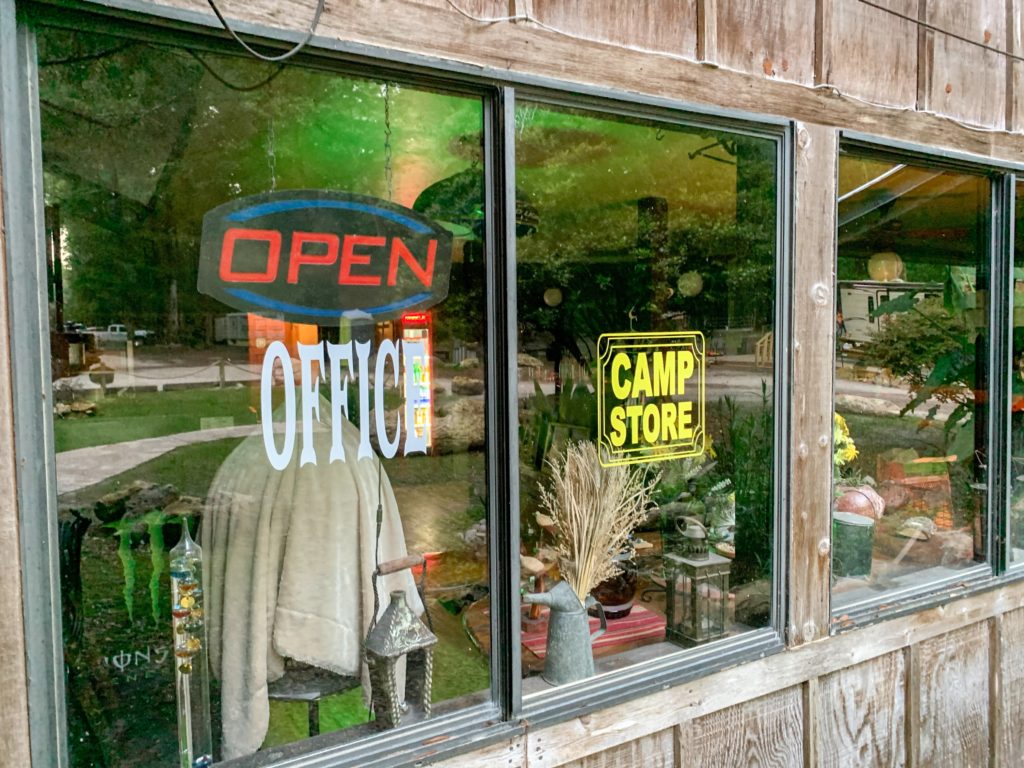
<point>399,633</point>
<point>697,608</point>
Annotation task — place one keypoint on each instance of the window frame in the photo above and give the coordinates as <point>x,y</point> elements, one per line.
<point>993,572</point>
<point>505,715</point>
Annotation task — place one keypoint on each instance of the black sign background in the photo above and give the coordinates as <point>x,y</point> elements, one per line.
<point>317,297</point>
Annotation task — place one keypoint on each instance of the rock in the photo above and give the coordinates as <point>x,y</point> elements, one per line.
<point>470,362</point>
<point>531,566</point>
<point>870,406</point>
<point>464,385</point>
<point>754,603</point>
<point>895,495</point>
<point>461,429</point>
<point>154,497</point>
<point>476,539</point>
<point>113,506</point>
<point>957,547</point>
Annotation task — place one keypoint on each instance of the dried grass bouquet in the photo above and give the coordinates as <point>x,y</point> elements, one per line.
<point>594,510</point>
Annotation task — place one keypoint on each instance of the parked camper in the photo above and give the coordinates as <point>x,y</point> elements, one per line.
<point>860,299</point>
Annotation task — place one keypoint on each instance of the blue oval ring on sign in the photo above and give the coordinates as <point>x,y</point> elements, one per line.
<point>315,256</point>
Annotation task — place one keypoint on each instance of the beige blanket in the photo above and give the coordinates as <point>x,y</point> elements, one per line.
<point>288,560</point>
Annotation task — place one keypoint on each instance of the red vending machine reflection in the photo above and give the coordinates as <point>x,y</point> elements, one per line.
<point>416,327</point>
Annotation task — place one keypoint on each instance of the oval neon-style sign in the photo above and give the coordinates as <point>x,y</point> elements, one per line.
<point>315,256</point>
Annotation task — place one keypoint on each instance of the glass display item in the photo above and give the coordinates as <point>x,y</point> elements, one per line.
<point>697,600</point>
<point>191,664</point>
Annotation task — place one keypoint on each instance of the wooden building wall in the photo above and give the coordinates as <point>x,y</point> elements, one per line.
<point>941,687</point>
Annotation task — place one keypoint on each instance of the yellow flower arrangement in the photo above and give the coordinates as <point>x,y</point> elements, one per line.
<point>843,448</point>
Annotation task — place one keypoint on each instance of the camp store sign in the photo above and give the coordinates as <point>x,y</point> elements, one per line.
<point>321,257</point>
<point>650,392</point>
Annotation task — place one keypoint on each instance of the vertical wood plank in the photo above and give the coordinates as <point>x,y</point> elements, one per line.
<point>859,61</point>
<point>1011,48</point>
<point>1010,696</point>
<point>968,82</point>
<point>764,731</point>
<point>861,715</point>
<point>668,26</point>
<point>1015,44</point>
<point>655,751</point>
<point>812,714</point>
<point>14,745</point>
<point>912,705</point>
<point>812,353</point>
<point>707,30</point>
<point>925,58</point>
<point>952,725</point>
<point>774,38</point>
<point>995,722</point>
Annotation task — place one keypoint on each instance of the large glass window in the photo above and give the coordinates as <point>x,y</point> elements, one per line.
<point>1015,530</point>
<point>646,272</point>
<point>267,325</point>
<point>911,386</point>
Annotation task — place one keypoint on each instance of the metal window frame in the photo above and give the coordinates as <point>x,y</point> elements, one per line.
<point>993,571</point>
<point>479,725</point>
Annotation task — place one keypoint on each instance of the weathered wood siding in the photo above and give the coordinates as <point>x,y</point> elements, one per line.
<point>964,81</point>
<point>1009,695</point>
<point>764,731</point>
<point>767,52</point>
<point>861,716</point>
<point>856,59</point>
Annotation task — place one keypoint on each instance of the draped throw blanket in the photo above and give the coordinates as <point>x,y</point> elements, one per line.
<point>289,558</point>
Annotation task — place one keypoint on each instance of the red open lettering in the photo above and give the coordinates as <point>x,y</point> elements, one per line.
<point>273,240</point>
<point>399,251</point>
<point>298,257</point>
<point>349,258</point>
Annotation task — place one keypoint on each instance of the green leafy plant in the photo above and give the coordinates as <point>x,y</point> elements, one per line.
<point>744,448</point>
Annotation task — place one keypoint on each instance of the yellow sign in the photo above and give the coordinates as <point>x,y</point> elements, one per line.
<point>650,395</point>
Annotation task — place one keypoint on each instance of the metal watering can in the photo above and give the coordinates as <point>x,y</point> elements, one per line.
<point>570,655</point>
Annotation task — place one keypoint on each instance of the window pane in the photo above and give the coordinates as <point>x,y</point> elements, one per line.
<point>1015,534</point>
<point>911,383</point>
<point>646,307</point>
<point>311,405</point>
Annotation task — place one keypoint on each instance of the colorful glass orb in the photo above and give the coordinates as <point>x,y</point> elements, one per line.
<point>181,629</point>
<point>193,644</point>
<point>180,613</point>
<point>197,613</point>
<point>187,601</point>
<point>187,586</point>
<point>185,667</point>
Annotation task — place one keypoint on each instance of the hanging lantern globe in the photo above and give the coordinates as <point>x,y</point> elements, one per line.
<point>884,266</point>
<point>690,284</point>
<point>553,297</point>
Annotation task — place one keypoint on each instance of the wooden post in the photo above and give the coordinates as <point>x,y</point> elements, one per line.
<point>810,473</point>
<point>13,678</point>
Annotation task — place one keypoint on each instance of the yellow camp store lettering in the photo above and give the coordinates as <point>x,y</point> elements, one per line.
<point>652,393</point>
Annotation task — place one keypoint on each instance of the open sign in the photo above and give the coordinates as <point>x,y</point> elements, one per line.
<point>314,256</point>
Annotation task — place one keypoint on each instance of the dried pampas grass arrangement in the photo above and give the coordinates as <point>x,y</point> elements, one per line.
<point>594,510</point>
